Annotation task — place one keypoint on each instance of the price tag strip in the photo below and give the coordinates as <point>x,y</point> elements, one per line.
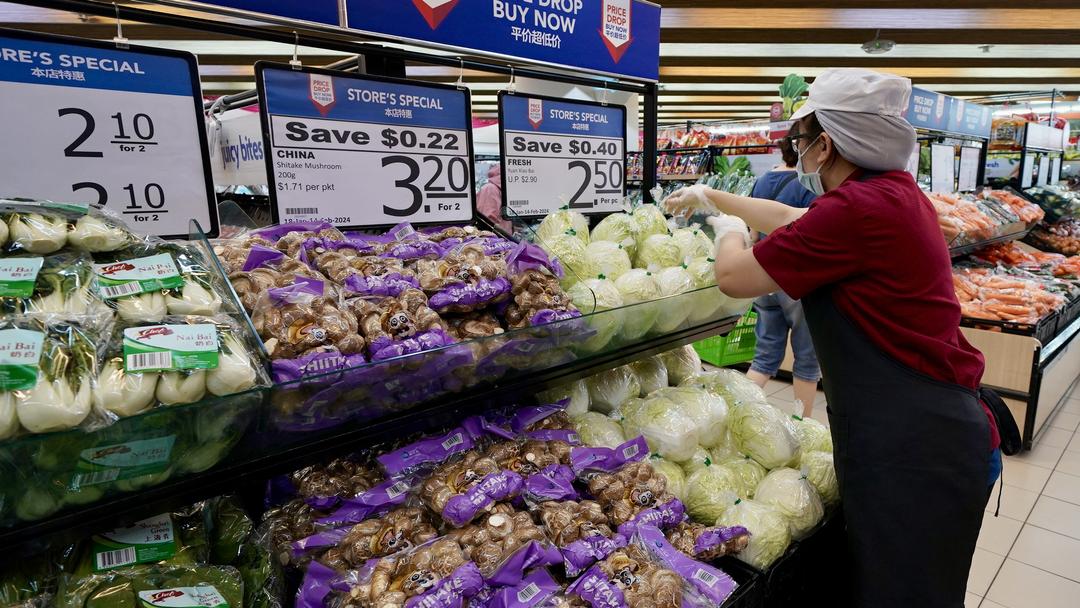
<point>365,151</point>
<point>86,122</point>
<point>557,153</point>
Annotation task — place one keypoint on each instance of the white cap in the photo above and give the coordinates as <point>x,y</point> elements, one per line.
<point>857,90</point>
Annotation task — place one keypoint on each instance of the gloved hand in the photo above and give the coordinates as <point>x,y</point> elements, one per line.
<point>724,225</point>
<point>688,200</point>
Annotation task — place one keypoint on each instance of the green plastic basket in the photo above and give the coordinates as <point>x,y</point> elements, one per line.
<point>736,347</point>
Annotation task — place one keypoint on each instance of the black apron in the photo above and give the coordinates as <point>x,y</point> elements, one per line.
<point>912,459</point>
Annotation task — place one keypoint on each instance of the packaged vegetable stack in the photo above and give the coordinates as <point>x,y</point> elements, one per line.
<point>1062,236</point>
<point>1001,294</point>
<point>1028,212</point>
<point>965,218</point>
<point>1058,202</point>
<point>718,443</point>
<point>499,508</point>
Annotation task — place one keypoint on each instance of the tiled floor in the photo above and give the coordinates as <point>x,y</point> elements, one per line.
<point>1029,556</point>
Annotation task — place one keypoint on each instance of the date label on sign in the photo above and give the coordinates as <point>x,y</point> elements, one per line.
<point>117,128</point>
<point>360,151</point>
<point>558,153</point>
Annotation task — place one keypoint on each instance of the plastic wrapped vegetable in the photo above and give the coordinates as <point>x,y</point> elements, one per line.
<point>706,303</point>
<point>762,432</point>
<point>570,252</point>
<point>157,587</point>
<point>610,388</point>
<point>770,535</point>
<point>676,479</point>
<point>618,228</point>
<point>596,429</point>
<point>749,471</point>
<point>692,242</point>
<point>708,490</point>
<point>707,410</point>
<point>666,426</point>
<point>821,474</point>
<point>813,436</point>
<point>651,374</point>
<point>658,250</point>
<point>607,258</point>
<point>639,287</point>
<point>733,386</point>
<point>62,287</point>
<point>577,392</point>
<point>564,222</point>
<point>681,363</point>
<point>648,220</point>
<point>38,233</point>
<point>672,282</point>
<point>701,459</point>
<point>795,498</point>
<point>55,394</point>
<point>597,299</point>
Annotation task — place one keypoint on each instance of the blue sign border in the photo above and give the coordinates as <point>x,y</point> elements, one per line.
<point>502,138</point>
<point>264,117</point>
<point>196,100</point>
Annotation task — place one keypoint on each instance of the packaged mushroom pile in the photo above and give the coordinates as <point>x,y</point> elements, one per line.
<point>508,508</point>
<point>97,323</point>
<point>323,300</point>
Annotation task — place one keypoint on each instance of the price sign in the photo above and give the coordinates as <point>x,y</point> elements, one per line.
<point>1044,170</point>
<point>942,168</point>
<point>1027,171</point>
<point>86,122</point>
<point>1055,170</point>
<point>558,153</point>
<point>361,151</point>
<point>968,177</point>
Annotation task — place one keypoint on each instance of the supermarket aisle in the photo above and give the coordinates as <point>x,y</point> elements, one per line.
<point>1029,556</point>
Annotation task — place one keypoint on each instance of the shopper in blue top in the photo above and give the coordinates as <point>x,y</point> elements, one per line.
<point>777,313</point>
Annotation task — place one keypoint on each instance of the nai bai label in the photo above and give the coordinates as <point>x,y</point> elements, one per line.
<point>141,458</point>
<point>132,277</point>
<point>20,351</point>
<point>17,276</point>
<point>163,348</point>
<point>147,541</point>
<point>203,596</point>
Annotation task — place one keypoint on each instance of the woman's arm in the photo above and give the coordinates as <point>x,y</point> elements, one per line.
<point>758,213</point>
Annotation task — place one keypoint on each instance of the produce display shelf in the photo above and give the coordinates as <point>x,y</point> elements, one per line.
<point>264,450</point>
<point>1043,331</point>
<point>962,250</point>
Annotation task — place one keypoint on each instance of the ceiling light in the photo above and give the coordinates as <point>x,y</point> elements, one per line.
<point>877,46</point>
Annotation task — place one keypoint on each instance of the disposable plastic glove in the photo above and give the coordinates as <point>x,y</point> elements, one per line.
<point>724,225</point>
<point>688,200</point>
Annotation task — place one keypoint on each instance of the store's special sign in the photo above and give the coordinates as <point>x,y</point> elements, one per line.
<point>612,36</point>
<point>937,112</point>
<point>318,11</point>
<point>557,153</point>
<point>360,151</point>
<point>86,122</point>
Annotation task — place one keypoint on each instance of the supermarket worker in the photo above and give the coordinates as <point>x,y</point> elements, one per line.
<point>915,448</point>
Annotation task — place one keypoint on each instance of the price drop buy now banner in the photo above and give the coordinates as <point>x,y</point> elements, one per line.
<point>561,153</point>
<point>365,151</point>
<point>86,122</point>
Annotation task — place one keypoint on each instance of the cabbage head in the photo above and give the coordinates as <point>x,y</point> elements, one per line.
<point>792,495</point>
<point>681,363</point>
<point>651,374</point>
<point>705,303</point>
<point>648,220</point>
<point>770,534</point>
<point>570,252</point>
<point>676,479</point>
<point>707,410</point>
<point>563,222</point>
<point>577,392</point>
<point>611,388</point>
<point>726,450</point>
<point>692,242</point>
<point>762,432</point>
<point>598,296</point>
<point>813,436</point>
<point>639,287</point>
<point>673,281</point>
<point>733,386</point>
<point>821,474</point>
<point>658,250</point>
<point>749,471</point>
<point>709,491</point>
<point>598,430</point>
<point>701,459</point>
<point>664,425</point>
<point>618,228</point>
<point>607,258</point>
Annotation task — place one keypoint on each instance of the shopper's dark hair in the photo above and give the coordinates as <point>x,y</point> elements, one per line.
<point>788,153</point>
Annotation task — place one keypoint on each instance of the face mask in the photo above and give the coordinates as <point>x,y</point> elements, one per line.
<point>810,181</point>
